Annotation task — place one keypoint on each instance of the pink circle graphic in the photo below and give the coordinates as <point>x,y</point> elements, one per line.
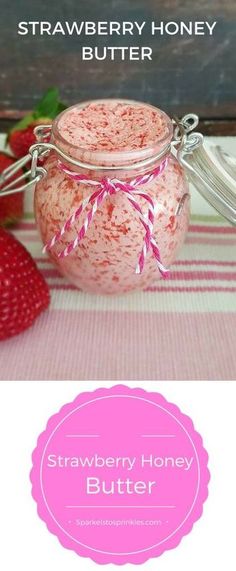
<point>120,475</point>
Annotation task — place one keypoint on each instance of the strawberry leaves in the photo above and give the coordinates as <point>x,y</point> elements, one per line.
<point>48,107</point>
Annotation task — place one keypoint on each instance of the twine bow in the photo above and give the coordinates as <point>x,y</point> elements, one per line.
<point>107,187</point>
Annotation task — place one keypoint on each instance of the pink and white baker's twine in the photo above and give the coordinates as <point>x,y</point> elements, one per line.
<point>107,187</point>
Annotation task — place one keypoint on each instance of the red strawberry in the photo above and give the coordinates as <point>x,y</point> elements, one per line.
<point>23,290</point>
<point>21,137</point>
<point>11,206</point>
<point>20,140</point>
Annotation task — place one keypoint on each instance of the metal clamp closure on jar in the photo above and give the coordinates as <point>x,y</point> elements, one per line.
<point>214,180</point>
<point>41,149</point>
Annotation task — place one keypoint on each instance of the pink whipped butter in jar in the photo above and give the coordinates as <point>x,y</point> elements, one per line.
<point>112,198</point>
<point>126,237</point>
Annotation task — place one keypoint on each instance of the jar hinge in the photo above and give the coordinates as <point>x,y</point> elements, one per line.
<point>30,176</point>
<point>184,142</point>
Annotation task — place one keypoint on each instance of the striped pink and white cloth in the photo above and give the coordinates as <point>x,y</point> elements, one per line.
<point>181,328</point>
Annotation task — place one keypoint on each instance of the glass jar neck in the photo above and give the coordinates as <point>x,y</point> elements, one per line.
<point>121,163</point>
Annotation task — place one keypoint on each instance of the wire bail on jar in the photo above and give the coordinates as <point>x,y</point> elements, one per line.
<point>31,176</point>
<point>182,139</point>
<point>216,183</point>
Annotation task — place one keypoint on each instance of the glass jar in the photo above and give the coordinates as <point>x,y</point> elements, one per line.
<point>105,260</point>
<point>112,206</point>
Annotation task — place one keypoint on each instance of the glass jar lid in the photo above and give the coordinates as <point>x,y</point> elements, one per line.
<point>208,167</point>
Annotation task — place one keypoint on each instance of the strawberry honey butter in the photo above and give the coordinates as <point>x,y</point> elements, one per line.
<point>111,193</point>
<point>110,216</point>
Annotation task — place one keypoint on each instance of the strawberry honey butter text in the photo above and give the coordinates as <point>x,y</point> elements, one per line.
<point>126,29</point>
<point>122,485</point>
